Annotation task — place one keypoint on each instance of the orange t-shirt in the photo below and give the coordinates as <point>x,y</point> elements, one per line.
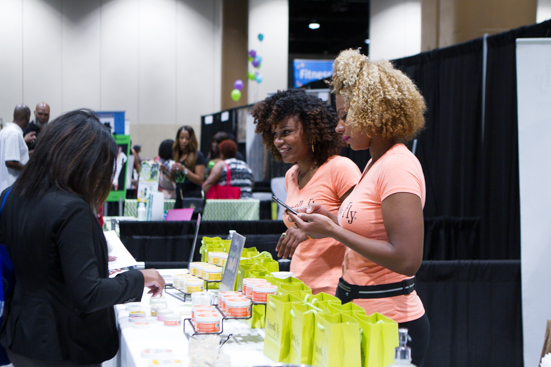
<point>318,262</point>
<point>398,170</point>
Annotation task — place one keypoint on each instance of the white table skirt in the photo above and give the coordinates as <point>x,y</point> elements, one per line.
<point>247,351</point>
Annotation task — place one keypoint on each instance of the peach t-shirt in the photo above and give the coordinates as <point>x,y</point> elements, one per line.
<point>318,262</point>
<point>398,170</point>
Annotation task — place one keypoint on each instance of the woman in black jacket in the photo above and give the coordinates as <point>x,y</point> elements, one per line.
<point>61,311</point>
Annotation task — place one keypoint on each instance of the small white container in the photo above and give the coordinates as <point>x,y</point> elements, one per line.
<point>136,314</point>
<point>212,273</point>
<point>134,306</point>
<point>141,325</point>
<point>173,320</point>
<point>201,309</point>
<point>213,257</point>
<point>222,258</point>
<point>248,286</point>
<point>227,294</point>
<point>193,267</point>
<point>193,285</point>
<point>162,313</point>
<point>154,308</point>
<point>207,322</point>
<point>154,300</point>
<point>261,292</point>
<point>238,307</point>
<point>155,353</point>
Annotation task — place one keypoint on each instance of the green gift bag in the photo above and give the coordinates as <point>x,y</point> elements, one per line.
<point>323,297</point>
<point>285,288</point>
<point>258,317</point>
<point>336,341</point>
<point>278,281</point>
<point>379,339</point>
<point>277,335</point>
<point>265,259</point>
<point>348,308</point>
<point>303,294</point>
<point>303,327</point>
<point>249,252</point>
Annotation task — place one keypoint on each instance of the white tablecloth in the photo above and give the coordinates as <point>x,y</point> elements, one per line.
<point>246,351</point>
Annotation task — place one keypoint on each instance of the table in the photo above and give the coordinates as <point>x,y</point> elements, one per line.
<point>242,209</point>
<point>246,351</point>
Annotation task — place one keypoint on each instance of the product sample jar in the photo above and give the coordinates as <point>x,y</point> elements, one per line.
<point>193,285</point>
<point>154,308</point>
<point>162,313</point>
<point>173,320</point>
<point>222,258</point>
<point>227,294</point>
<point>212,273</point>
<point>193,267</point>
<point>248,287</point>
<point>238,307</point>
<point>261,292</point>
<point>201,309</point>
<point>136,316</point>
<point>207,322</point>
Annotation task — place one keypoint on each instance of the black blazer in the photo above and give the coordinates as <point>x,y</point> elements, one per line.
<point>62,305</point>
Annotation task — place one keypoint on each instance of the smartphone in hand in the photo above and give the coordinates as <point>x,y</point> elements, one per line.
<point>274,198</point>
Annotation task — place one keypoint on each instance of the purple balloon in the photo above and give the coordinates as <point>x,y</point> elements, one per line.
<point>238,84</point>
<point>252,53</point>
<point>256,62</point>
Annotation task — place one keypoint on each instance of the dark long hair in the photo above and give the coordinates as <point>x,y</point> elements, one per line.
<point>191,158</point>
<point>74,153</point>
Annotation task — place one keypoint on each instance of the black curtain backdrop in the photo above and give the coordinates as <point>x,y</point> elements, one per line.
<point>471,167</point>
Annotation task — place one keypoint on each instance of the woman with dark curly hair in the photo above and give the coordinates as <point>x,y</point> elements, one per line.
<point>189,170</point>
<point>381,221</point>
<point>298,128</point>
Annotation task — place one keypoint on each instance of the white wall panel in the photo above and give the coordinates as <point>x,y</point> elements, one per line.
<point>394,28</point>
<point>11,57</point>
<point>544,11</point>
<point>271,18</point>
<point>119,58</point>
<point>157,62</point>
<point>42,50</point>
<point>198,68</point>
<point>81,54</point>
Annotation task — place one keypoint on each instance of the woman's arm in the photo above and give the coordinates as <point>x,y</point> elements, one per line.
<point>214,176</point>
<point>198,175</point>
<point>403,220</point>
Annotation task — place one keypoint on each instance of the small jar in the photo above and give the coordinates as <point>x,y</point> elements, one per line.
<point>176,279</point>
<point>248,292</point>
<point>213,257</point>
<point>201,309</point>
<point>261,292</point>
<point>222,259</point>
<point>212,273</point>
<point>193,285</point>
<point>173,320</point>
<point>154,300</point>
<point>136,316</point>
<point>134,306</point>
<point>207,322</point>
<point>162,313</point>
<point>238,307</point>
<point>222,298</point>
<point>193,267</point>
<point>154,308</point>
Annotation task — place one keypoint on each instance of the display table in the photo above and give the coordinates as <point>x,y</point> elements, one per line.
<point>242,209</point>
<point>243,349</point>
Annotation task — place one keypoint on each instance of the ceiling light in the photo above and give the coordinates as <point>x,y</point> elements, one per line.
<point>313,25</point>
<point>366,41</point>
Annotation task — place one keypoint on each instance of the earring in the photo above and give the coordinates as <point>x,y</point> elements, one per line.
<point>313,150</point>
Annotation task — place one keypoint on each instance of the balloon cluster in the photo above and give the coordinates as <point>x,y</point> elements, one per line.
<point>256,61</point>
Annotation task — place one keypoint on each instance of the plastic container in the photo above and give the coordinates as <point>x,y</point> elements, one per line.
<point>161,314</point>
<point>248,288</point>
<point>193,285</point>
<point>222,258</point>
<point>141,325</point>
<point>155,353</point>
<point>155,300</point>
<point>201,309</point>
<point>212,273</point>
<point>207,322</point>
<point>154,308</point>
<point>142,212</point>
<point>261,292</point>
<point>238,307</point>
<point>173,320</point>
<point>134,306</point>
<point>136,316</point>
<point>165,363</point>
<point>213,257</point>
<point>193,267</point>
<point>178,280</point>
<point>222,296</point>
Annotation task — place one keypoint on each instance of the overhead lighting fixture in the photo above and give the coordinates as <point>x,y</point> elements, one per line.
<point>313,25</point>
<point>366,41</point>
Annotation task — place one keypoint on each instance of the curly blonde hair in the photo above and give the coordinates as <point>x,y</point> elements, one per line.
<point>383,100</point>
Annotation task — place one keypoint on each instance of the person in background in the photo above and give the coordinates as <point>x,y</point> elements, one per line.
<point>136,150</point>
<point>381,221</point>
<point>214,154</point>
<point>41,118</point>
<point>165,160</point>
<point>61,311</point>
<point>188,171</point>
<point>298,128</point>
<point>241,173</point>
<point>14,153</point>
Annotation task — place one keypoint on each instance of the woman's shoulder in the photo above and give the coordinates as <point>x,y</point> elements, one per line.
<point>338,162</point>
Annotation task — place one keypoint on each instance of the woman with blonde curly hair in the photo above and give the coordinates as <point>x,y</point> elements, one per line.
<point>298,128</point>
<point>381,221</point>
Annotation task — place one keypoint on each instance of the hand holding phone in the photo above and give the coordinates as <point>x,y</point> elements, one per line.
<point>274,198</point>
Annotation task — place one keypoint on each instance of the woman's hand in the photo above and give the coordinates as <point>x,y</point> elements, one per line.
<point>177,167</point>
<point>289,241</point>
<point>154,281</point>
<point>314,225</point>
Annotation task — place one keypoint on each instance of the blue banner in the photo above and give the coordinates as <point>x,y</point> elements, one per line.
<point>307,71</point>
